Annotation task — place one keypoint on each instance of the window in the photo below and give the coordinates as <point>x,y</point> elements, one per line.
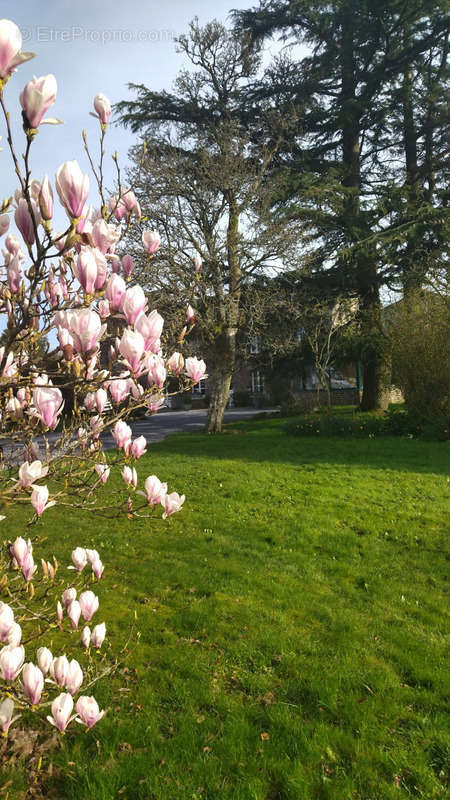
<point>257,382</point>
<point>254,345</point>
<point>199,390</point>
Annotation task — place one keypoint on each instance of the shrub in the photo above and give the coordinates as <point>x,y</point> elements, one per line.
<point>420,332</point>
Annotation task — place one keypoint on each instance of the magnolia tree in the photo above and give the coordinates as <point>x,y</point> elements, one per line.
<point>80,352</point>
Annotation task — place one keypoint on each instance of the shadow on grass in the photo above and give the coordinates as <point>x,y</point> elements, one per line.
<point>267,441</point>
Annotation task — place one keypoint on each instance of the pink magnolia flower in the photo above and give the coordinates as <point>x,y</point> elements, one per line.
<point>37,96</point>
<point>127,265</point>
<point>14,409</point>
<point>105,236</point>
<point>4,224</point>
<point>24,221</point>
<point>46,199</point>
<point>89,401</point>
<point>119,389</point>
<point>59,670</point>
<point>86,329</point>
<point>139,447</point>
<point>150,328</point>
<point>84,224</point>
<point>33,683</point>
<point>151,241</point>
<point>6,620</point>
<point>195,369</point>
<point>74,613</point>
<point>157,372</point>
<point>121,434</point>
<point>59,612</point>
<point>154,490</point>
<point>14,273</point>
<point>115,291</point>
<point>14,637</point>
<point>11,660</point>
<point>88,711</point>
<point>133,304</point>
<point>12,244</point>
<point>176,363</point>
<point>132,347</point>
<point>155,402</point>
<point>172,503</point>
<point>197,264</point>
<point>102,471</point>
<point>117,207</point>
<point>98,635</point>
<point>62,708</point>
<point>130,201</point>
<point>72,187</point>
<point>86,637</point>
<point>22,397</point>
<point>89,605</point>
<point>10,366</point>
<point>48,402</point>
<point>97,568</point>
<point>28,566</point>
<point>44,659</point>
<point>86,269</point>
<point>6,714</point>
<point>74,677</point>
<point>10,48</point>
<point>69,594</point>
<point>92,555</point>
<point>129,475</point>
<point>136,389</point>
<point>29,473</point>
<point>39,499</point>
<point>190,315</point>
<point>103,108</point>
<point>91,364</point>
<point>101,399</point>
<point>104,309</point>
<point>19,550</point>
<point>79,558</point>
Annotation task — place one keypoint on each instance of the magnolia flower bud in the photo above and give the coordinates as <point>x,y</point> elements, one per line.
<point>33,683</point>
<point>74,613</point>
<point>11,660</point>
<point>44,659</point>
<point>59,670</point>
<point>46,199</point>
<point>72,187</point>
<point>98,635</point>
<point>103,108</point>
<point>74,677</point>
<point>86,637</point>
<point>151,241</point>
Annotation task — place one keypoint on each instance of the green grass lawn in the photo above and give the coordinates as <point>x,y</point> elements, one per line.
<point>294,625</point>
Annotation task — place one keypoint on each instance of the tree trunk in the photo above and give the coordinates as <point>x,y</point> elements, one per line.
<point>413,266</point>
<point>219,383</point>
<point>376,356</point>
<point>376,365</point>
<point>223,355</point>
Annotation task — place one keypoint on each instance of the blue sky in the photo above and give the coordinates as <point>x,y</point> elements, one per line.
<point>94,46</point>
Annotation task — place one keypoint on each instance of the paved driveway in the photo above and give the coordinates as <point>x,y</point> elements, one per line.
<point>154,428</point>
<point>158,426</point>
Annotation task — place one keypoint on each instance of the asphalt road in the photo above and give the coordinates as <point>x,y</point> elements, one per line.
<point>154,428</point>
<point>158,426</point>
